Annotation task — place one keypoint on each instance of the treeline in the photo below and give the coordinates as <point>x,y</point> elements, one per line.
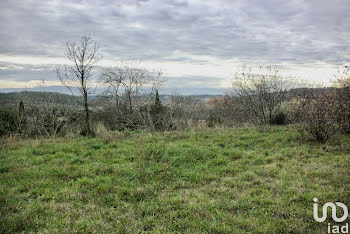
<point>46,116</point>
<point>131,102</point>
<point>265,98</point>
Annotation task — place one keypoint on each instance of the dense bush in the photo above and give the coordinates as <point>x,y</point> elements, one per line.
<point>343,98</point>
<point>229,110</point>
<point>262,91</point>
<point>118,120</point>
<point>279,118</point>
<point>152,116</point>
<point>158,115</point>
<point>39,119</point>
<point>318,116</point>
<point>9,121</point>
<point>213,120</point>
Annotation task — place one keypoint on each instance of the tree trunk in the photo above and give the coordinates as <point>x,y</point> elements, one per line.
<point>87,117</point>
<point>130,103</point>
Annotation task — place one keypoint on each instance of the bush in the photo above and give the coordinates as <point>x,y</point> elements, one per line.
<point>84,131</point>
<point>157,113</point>
<point>343,98</point>
<point>278,119</point>
<point>213,120</point>
<point>318,117</point>
<point>343,109</point>
<point>8,122</point>
<point>230,111</point>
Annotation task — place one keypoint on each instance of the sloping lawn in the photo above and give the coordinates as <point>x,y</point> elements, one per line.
<point>218,181</point>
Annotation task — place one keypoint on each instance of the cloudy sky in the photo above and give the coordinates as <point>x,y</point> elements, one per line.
<point>197,44</point>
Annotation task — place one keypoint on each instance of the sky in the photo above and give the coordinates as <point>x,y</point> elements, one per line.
<point>197,44</point>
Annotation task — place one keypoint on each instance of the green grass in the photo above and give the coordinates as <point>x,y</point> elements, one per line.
<point>218,181</point>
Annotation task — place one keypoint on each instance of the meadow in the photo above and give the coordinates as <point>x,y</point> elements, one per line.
<point>242,180</point>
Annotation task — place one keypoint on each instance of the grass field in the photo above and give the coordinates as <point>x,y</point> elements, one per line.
<point>218,181</point>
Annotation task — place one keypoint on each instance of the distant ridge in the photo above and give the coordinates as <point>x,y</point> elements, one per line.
<point>163,90</point>
<point>50,89</point>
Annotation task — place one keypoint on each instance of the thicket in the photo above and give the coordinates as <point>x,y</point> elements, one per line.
<point>318,113</point>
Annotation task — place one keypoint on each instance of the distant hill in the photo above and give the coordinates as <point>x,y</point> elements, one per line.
<point>9,100</point>
<point>12,99</point>
<point>197,91</point>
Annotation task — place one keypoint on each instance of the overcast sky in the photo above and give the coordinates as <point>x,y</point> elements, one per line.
<point>196,43</point>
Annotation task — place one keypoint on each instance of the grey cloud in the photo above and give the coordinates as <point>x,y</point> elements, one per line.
<point>268,32</point>
<point>194,81</point>
<point>20,72</point>
<point>188,85</point>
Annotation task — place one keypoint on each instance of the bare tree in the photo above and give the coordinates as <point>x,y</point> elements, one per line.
<point>262,92</point>
<point>130,82</point>
<point>132,87</point>
<point>84,56</point>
